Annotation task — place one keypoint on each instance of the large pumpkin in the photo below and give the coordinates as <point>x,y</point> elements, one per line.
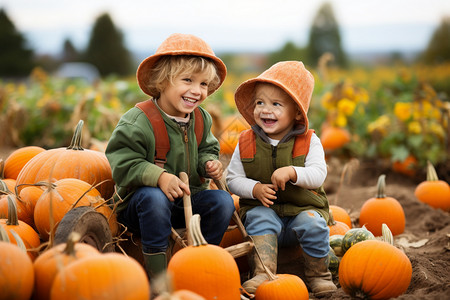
<point>58,199</point>
<point>48,264</point>
<point>16,270</point>
<point>374,269</point>
<point>382,209</point>
<point>207,270</point>
<point>433,191</point>
<point>18,158</point>
<point>71,162</point>
<point>110,276</point>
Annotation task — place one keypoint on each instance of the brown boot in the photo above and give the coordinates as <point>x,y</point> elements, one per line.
<point>267,246</point>
<point>318,277</point>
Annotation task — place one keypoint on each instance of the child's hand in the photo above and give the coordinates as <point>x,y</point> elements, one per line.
<point>172,186</point>
<point>283,175</point>
<point>214,169</point>
<point>264,193</point>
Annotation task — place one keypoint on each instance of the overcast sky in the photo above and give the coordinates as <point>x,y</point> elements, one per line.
<point>229,25</point>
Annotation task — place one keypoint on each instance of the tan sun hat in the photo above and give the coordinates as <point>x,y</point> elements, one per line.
<point>291,76</point>
<point>179,44</point>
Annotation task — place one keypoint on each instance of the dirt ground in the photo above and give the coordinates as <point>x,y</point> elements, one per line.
<point>426,240</point>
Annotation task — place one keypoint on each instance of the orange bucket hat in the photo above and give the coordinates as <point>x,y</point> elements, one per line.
<point>290,76</point>
<point>179,44</point>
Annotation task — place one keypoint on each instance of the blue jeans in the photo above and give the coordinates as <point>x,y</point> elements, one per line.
<point>308,229</point>
<point>151,215</point>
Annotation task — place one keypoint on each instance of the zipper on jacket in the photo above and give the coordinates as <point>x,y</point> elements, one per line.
<point>274,157</point>
<point>186,144</point>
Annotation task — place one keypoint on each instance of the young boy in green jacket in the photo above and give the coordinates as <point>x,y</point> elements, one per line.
<point>178,78</point>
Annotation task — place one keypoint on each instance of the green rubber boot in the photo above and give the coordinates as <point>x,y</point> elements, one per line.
<point>318,277</point>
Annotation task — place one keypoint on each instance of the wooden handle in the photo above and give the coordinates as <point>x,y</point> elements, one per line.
<point>187,207</point>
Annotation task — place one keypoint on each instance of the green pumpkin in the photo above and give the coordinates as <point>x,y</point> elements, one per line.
<point>333,263</point>
<point>355,235</point>
<point>336,244</point>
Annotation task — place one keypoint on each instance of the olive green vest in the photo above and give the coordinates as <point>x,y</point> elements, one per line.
<point>261,159</point>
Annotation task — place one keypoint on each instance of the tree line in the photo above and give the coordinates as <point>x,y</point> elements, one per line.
<point>106,49</point>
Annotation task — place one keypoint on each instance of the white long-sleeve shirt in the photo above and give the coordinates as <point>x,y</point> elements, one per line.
<point>311,176</point>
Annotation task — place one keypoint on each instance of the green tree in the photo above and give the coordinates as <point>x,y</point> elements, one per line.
<point>69,52</point>
<point>289,52</point>
<point>106,49</point>
<point>16,59</point>
<point>324,37</point>
<point>438,49</point>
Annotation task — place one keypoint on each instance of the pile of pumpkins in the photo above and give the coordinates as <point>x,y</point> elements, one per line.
<point>38,186</point>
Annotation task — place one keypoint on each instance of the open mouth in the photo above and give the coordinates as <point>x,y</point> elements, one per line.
<point>268,122</point>
<point>192,101</point>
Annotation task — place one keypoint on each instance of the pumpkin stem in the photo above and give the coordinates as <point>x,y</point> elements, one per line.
<point>381,185</point>
<point>386,234</point>
<point>331,221</point>
<point>13,219</point>
<point>431,172</point>
<point>75,143</point>
<point>195,231</point>
<point>2,169</point>
<point>74,237</point>
<point>4,235</point>
<point>19,240</point>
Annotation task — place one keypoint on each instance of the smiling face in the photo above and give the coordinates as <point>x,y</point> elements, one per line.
<point>275,112</point>
<point>184,94</point>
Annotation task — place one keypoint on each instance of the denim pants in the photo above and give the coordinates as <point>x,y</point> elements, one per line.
<point>308,229</point>
<point>151,215</point>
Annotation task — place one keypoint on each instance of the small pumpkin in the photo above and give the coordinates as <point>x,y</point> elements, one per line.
<point>333,138</point>
<point>433,191</point>
<point>48,264</point>
<point>229,132</point>
<point>283,287</point>
<point>354,236</point>
<point>336,244</point>
<point>341,215</point>
<point>71,162</point>
<point>27,234</point>
<point>18,159</point>
<point>101,277</point>
<point>382,209</point>
<point>374,269</point>
<point>407,167</point>
<point>16,269</point>
<point>205,269</point>
<point>333,263</point>
<point>337,227</point>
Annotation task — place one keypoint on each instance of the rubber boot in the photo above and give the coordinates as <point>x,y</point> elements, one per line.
<point>155,264</point>
<point>318,277</point>
<point>267,246</point>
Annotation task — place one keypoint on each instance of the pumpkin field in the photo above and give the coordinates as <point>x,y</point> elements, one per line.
<point>392,121</point>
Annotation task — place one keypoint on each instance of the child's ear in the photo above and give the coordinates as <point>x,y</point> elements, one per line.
<point>298,116</point>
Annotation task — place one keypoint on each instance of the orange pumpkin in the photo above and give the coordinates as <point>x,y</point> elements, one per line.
<point>71,162</point>
<point>180,295</point>
<point>407,167</point>
<point>101,277</point>
<point>16,270</point>
<point>207,270</point>
<point>433,191</point>
<point>59,198</point>
<point>28,235</point>
<point>374,269</point>
<point>337,227</point>
<point>18,158</point>
<point>333,138</point>
<point>48,264</point>
<point>282,287</point>
<point>382,209</point>
<point>341,215</point>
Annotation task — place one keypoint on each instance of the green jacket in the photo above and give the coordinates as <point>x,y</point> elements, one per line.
<point>131,151</point>
<point>265,161</point>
